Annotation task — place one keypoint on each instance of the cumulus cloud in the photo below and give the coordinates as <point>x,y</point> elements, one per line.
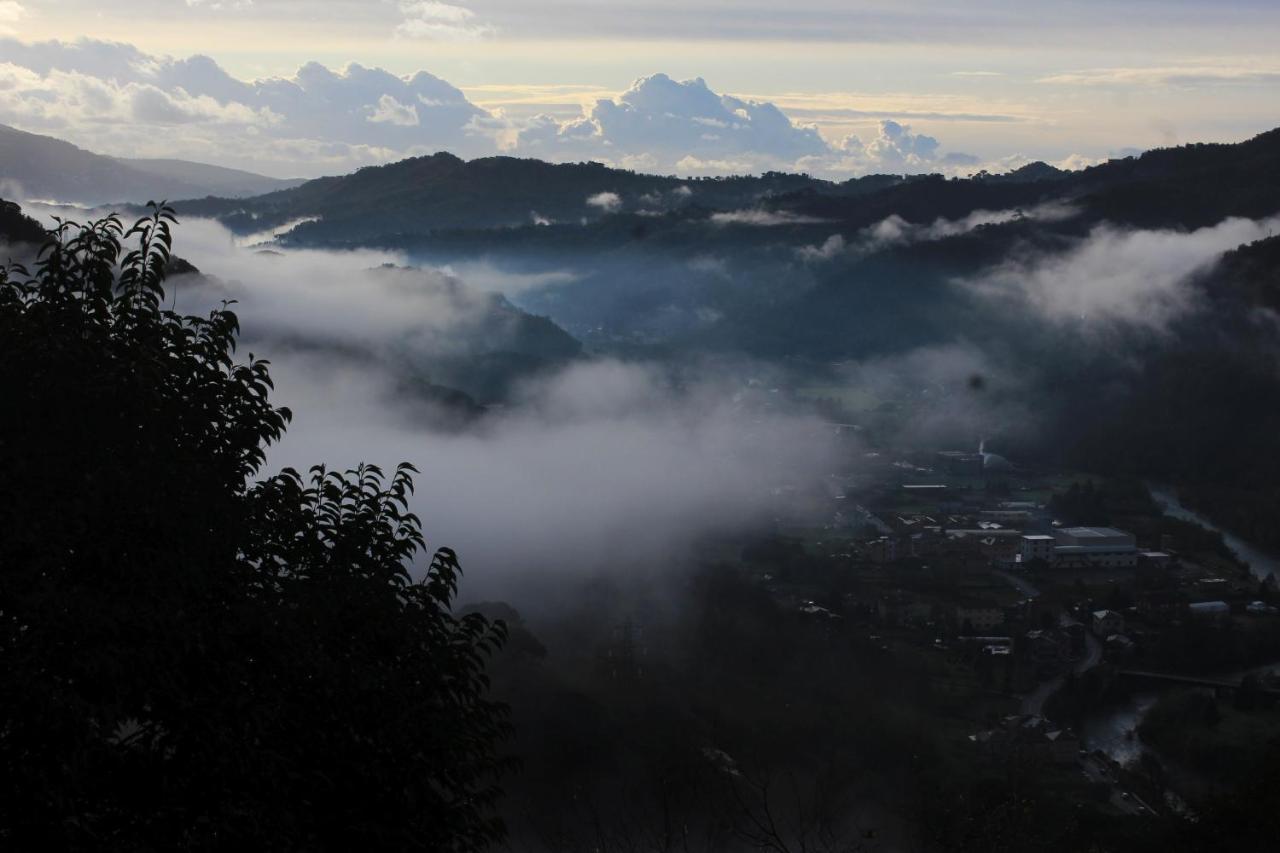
<point>672,121</point>
<point>1139,278</point>
<point>116,99</point>
<point>112,98</point>
<point>895,149</point>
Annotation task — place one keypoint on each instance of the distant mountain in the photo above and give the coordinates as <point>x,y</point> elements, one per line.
<point>215,180</point>
<point>43,167</point>
<point>1188,186</point>
<point>443,192</point>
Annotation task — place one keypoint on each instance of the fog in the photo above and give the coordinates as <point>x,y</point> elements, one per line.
<point>598,467</point>
<point>1140,278</point>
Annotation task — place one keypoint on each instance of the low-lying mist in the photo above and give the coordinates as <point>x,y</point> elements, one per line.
<point>595,466</point>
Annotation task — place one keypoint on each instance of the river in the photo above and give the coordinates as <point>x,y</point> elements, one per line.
<point>1109,729</point>
<point>1262,564</point>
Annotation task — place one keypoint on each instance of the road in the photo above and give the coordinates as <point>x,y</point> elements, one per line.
<point>1022,585</point>
<point>1096,769</point>
<point>1033,702</point>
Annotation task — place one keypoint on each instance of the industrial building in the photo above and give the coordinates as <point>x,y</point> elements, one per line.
<point>1082,547</point>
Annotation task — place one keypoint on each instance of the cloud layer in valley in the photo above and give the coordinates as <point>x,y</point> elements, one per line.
<point>598,467</point>
<point>1136,277</point>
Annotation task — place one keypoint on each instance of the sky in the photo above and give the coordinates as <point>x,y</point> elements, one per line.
<point>833,87</point>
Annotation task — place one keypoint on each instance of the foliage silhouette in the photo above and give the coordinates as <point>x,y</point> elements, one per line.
<point>189,659</point>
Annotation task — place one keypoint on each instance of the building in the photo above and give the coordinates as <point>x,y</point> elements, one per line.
<point>1037,548</point>
<point>1107,622</point>
<point>882,550</point>
<point>1094,547</point>
<point>995,542</point>
<point>980,617</point>
<point>1031,737</point>
<point>959,462</point>
<point>1048,650</point>
<point>1006,516</point>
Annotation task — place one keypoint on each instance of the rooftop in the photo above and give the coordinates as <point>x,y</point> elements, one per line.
<point>1093,532</point>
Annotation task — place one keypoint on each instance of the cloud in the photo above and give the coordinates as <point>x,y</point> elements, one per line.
<point>430,19</point>
<point>832,247</point>
<point>112,98</point>
<point>10,13</point>
<point>60,99</point>
<point>545,489</point>
<point>895,149</point>
<point>606,201</point>
<point>673,121</point>
<point>392,111</point>
<point>220,5</point>
<point>762,218</point>
<point>1177,75</point>
<point>1139,278</point>
<point>938,406</point>
<point>894,231</point>
<point>116,99</point>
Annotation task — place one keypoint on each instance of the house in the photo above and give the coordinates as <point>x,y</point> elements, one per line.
<point>1107,622</point>
<point>1046,649</point>
<point>1029,736</point>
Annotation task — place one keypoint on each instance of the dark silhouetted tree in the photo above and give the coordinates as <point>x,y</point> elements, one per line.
<point>190,659</point>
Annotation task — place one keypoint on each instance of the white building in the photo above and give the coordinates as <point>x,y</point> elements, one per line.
<point>1094,547</point>
<point>1037,547</point>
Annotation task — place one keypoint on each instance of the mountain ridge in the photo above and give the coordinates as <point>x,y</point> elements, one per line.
<point>45,167</point>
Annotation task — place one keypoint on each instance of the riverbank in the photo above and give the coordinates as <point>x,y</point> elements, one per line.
<point>1261,564</point>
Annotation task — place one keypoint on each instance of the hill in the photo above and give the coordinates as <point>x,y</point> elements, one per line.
<point>43,167</point>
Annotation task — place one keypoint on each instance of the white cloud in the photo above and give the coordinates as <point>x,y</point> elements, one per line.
<point>832,247</point>
<point>1139,278</point>
<point>676,124</point>
<point>392,111</point>
<point>10,13</point>
<point>1173,75</point>
<point>112,98</point>
<point>893,231</point>
<point>220,5</point>
<point>606,201</point>
<point>762,218</point>
<point>430,19</point>
<point>575,463</point>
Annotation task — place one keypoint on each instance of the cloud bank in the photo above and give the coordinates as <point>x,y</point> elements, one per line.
<point>1137,278</point>
<point>602,467</point>
<point>115,99</point>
